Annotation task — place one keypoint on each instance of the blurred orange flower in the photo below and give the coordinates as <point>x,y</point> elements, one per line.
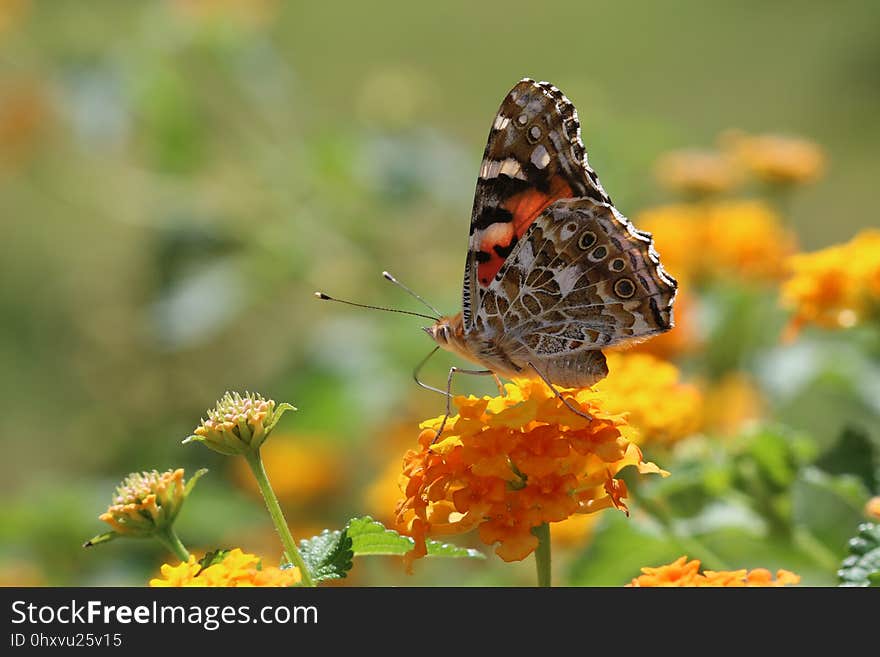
<point>697,172</point>
<point>776,159</point>
<point>11,13</point>
<point>648,389</point>
<point>299,468</point>
<point>510,463</point>
<point>730,404</point>
<point>574,531</point>
<point>384,493</point>
<point>872,508</point>
<point>240,13</point>
<point>743,239</point>
<point>236,568</point>
<point>836,287</point>
<point>25,112</point>
<point>682,572</point>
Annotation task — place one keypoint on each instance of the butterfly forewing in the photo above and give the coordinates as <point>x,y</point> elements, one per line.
<point>554,271</point>
<point>534,157</point>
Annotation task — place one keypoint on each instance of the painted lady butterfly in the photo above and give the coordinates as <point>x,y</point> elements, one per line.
<point>554,271</point>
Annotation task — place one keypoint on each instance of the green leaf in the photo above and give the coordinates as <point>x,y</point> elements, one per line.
<point>828,506</point>
<point>329,555</point>
<point>192,481</point>
<point>280,410</point>
<point>852,453</point>
<point>371,537</point>
<point>862,566</point>
<point>212,557</point>
<point>619,550</point>
<point>100,538</point>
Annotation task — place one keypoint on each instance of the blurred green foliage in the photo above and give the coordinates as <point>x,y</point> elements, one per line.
<point>176,178</point>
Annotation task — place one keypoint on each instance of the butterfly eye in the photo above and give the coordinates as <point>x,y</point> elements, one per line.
<point>617,264</point>
<point>587,240</point>
<point>624,288</point>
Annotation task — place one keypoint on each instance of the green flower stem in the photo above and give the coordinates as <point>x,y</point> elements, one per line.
<point>290,549</point>
<point>168,537</point>
<point>542,554</point>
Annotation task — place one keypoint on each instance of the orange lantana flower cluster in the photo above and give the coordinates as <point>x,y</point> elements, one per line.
<point>745,239</point>
<point>237,568</point>
<point>837,287</point>
<point>682,572</point>
<point>507,464</point>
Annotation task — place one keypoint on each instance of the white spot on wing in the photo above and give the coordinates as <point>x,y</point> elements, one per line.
<point>509,167</point>
<point>540,157</point>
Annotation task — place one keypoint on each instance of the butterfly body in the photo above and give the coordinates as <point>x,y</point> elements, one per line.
<point>554,271</point>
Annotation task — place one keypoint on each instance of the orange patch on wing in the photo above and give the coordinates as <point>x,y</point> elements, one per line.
<point>525,208</point>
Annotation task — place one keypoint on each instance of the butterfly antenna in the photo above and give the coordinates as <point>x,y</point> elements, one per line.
<point>389,277</point>
<point>325,297</point>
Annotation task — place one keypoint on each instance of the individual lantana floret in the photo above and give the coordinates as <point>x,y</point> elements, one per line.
<point>509,464</point>
<point>776,159</point>
<point>872,508</point>
<point>146,504</point>
<point>232,568</point>
<point>835,287</point>
<point>239,423</point>
<point>682,572</point>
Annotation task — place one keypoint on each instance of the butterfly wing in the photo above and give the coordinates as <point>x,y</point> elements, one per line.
<point>581,278</point>
<point>534,157</point>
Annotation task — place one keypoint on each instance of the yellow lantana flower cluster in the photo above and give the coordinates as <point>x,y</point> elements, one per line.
<point>836,287</point>
<point>507,464</point>
<point>682,572</point>
<point>649,391</point>
<point>743,238</point>
<point>237,568</point>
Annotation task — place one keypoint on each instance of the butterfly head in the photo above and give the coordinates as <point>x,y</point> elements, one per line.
<point>447,332</point>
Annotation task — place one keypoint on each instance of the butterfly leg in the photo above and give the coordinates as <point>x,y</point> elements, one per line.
<point>559,396</point>
<point>418,369</point>
<point>452,372</point>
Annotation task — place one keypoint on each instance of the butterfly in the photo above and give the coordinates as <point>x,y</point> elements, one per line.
<point>554,272</point>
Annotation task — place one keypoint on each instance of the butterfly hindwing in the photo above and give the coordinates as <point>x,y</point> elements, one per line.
<point>534,157</point>
<point>581,278</point>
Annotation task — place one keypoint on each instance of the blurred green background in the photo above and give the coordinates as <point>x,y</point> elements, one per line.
<point>177,178</point>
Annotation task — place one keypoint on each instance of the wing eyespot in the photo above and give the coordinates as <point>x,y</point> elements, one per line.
<point>624,288</point>
<point>586,240</point>
<point>617,265</point>
<point>599,253</point>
